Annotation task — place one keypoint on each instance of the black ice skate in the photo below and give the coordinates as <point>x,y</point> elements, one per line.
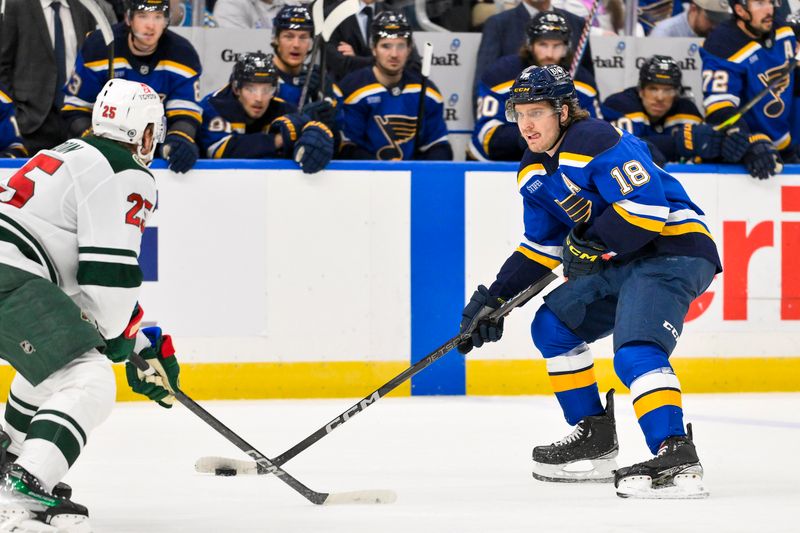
<point>61,490</point>
<point>26,506</point>
<point>594,439</point>
<point>675,473</point>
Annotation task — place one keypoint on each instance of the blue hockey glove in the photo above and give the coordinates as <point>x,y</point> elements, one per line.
<point>314,148</point>
<point>762,159</point>
<point>473,318</point>
<point>698,140</point>
<point>322,111</point>
<point>734,146</point>
<point>181,152</point>
<point>289,127</point>
<point>161,386</point>
<point>581,256</point>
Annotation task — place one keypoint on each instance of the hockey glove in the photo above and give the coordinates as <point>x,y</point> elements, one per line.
<point>473,319</point>
<point>181,152</point>
<point>762,159</point>
<point>734,146</point>
<point>323,111</point>
<point>698,140</point>
<point>119,348</point>
<point>289,127</point>
<point>314,148</point>
<point>581,256</point>
<point>161,386</point>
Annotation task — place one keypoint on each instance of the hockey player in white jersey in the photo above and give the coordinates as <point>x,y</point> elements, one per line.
<point>71,222</point>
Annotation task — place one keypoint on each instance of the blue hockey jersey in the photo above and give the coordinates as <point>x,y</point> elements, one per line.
<point>173,71</point>
<point>604,176</point>
<point>625,110</point>
<point>383,120</point>
<point>736,68</point>
<point>10,139</point>
<point>493,137</point>
<point>228,132</point>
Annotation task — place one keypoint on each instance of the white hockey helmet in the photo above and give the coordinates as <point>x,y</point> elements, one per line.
<point>124,109</point>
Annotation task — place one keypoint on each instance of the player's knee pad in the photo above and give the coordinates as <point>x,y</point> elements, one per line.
<point>638,358</point>
<point>87,388</point>
<point>550,335</point>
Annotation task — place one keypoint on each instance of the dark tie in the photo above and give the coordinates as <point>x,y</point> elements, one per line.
<point>368,12</point>
<point>60,53</point>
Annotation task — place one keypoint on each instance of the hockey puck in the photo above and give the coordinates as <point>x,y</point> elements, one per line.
<point>225,472</point>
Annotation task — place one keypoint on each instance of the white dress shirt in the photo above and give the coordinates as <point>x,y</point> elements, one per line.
<point>70,40</point>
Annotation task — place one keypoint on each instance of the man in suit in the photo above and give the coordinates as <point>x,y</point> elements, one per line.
<point>34,33</point>
<point>349,47</point>
<point>504,34</point>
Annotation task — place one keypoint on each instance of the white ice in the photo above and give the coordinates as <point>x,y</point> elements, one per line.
<point>458,464</point>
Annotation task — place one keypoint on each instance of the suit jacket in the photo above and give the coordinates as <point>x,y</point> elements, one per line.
<point>504,34</point>
<point>27,60</point>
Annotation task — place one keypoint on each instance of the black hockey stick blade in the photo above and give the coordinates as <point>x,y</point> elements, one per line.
<point>318,498</point>
<point>210,464</point>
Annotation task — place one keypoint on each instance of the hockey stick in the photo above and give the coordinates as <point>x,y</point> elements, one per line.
<point>210,464</point>
<point>318,498</point>
<point>761,94</point>
<point>323,28</point>
<point>427,58</point>
<point>105,29</point>
<point>584,39</point>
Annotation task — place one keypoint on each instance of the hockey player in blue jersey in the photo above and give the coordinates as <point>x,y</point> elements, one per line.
<point>740,58</point>
<point>493,137</point>
<point>11,144</point>
<point>145,51</point>
<point>380,103</point>
<point>292,38</point>
<point>657,112</point>
<point>636,252</point>
<point>245,120</point>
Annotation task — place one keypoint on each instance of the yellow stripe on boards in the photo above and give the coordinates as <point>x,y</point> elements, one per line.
<point>577,380</point>
<point>654,400</point>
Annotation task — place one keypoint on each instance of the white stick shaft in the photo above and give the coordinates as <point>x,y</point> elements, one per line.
<point>427,58</point>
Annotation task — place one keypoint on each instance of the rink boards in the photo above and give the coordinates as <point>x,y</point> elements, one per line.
<point>276,284</point>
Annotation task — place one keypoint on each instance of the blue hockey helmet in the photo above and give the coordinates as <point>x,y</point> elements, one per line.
<point>389,25</point>
<point>133,6</point>
<point>254,67</point>
<point>291,17</point>
<point>548,25</point>
<point>661,69</point>
<point>550,83</point>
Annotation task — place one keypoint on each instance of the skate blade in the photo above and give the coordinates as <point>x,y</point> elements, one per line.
<point>597,471</point>
<point>685,486</point>
<point>19,520</point>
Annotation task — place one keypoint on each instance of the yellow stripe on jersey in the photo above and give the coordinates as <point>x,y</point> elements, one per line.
<point>653,400</point>
<point>337,91</point>
<point>503,87</point>
<point>5,98</point>
<point>166,64</point>
<point>103,64</point>
<point>682,118</point>
<point>576,380</point>
<point>745,52</point>
<point>683,229</point>
<point>70,107</point>
<point>177,112</point>
<point>487,138</point>
<point>573,160</point>
<point>783,32</point>
<point>638,115</point>
<point>784,141</point>
<point>429,91</point>
<point>549,262</point>
<point>640,222</point>
<point>585,88</point>
<point>221,148</point>
<point>535,169</point>
<point>716,106</point>
<point>372,88</point>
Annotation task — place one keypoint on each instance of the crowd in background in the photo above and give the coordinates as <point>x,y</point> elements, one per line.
<point>364,96</point>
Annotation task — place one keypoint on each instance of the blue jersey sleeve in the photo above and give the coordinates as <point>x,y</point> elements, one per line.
<point>10,140</point>
<point>723,85</point>
<point>434,128</point>
<point>493,138</point>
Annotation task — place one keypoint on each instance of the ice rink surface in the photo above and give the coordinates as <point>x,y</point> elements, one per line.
<point>458,464</point>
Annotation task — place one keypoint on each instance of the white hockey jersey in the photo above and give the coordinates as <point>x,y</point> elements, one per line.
<point>75,215</point>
